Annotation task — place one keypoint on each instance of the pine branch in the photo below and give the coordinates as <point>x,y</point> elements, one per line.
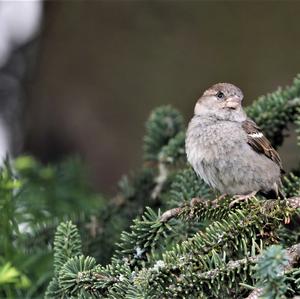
<point>292,255</point>
<point>196,261</point>
<point>223,279</point>
<point>198,209</point>
<point>174,150</point>
<point>185,186</point>
<point>54,290</point>
<point>136,246</point>
<point>291,185</point>
<point>76,275</point>
<point>274,111</point>
<point>163,124</point>
<point>239,232</point>
<point>294,274</point>
<point>201,209</point>
<point>168,215</point>
<point>80,277</point>
<point>160,180</point>
<point>67,243</point>
<point>215,261</point>
<point>124,288</point>
<point>210,275</point>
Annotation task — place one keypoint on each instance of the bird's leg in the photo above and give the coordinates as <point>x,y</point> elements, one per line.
<point>238,198</point>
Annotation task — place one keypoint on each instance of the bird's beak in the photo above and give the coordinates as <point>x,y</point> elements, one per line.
<point>232,102</point>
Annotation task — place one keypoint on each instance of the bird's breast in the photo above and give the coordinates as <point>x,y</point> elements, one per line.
<point>211,147</point>
<point>210,141</point>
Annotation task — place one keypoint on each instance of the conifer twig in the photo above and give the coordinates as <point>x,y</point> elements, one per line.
<point>292,202</point>
<point>169,214</point>
<point>293,254</point>
<point>160,180</point>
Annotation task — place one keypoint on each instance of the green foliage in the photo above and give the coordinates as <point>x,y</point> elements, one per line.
<point>291,185</point>
<point>54,188</point>
<point>164,123</point>
<point>214,261</point>
<point>34,199</point>
<point>274,111</point>
<point>240,234</point>
<point>67,244</point>
<point>293,277</point>
<point>270,273</point>
<point>174,150</point>
<point>73,274</point>
<point>185,186</point>
<point>54,290</point>
<point>199,247</point>
<point>116,215</point>
<point>10,275</point>
<point>138,245</point>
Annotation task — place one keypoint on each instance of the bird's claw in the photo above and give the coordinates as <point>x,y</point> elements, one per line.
<point>287,220</point>
<point>238,198</point>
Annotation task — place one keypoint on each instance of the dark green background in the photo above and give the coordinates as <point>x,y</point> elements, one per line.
<point>103,65</point>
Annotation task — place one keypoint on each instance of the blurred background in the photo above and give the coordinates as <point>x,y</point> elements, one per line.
<point>95,69</point>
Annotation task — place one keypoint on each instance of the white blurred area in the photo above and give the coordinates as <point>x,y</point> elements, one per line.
<point>20,22</point>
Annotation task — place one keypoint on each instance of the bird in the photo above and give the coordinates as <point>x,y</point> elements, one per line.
<point>228,150</point>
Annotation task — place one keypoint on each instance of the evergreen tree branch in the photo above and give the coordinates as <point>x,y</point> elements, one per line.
<point>202,247</point>
<point>67,243</point>
<point>195,209</point>
<point>293,254</point>
<point>136,246</point>
<point>186,185</point>
<point>291,185</point>
<point>274,111</point>
<point>168,215</point>
<point>174,150</point>
<point>258,220</point>
<point>201,209</point>
<point>163,124</point>
<point>200,256</point>
<point>160,180</point>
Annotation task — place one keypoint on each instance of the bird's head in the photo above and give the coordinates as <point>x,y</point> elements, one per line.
<point>222,101</point>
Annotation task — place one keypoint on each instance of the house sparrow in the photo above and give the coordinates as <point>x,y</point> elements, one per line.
<point>228,150</point>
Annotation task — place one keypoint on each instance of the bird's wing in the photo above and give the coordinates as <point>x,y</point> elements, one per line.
<point>259,142</point>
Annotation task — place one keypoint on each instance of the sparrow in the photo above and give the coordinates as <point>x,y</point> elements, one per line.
<point>228,150</point>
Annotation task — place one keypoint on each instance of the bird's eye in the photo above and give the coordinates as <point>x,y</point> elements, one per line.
<point>220,95</point>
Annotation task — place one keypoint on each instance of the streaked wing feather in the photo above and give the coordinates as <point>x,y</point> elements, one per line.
<point>259,142</point>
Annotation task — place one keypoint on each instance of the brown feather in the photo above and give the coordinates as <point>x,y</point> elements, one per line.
<point>260,143</point>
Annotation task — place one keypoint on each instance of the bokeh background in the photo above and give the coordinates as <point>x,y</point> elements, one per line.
<point>101,66</point>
